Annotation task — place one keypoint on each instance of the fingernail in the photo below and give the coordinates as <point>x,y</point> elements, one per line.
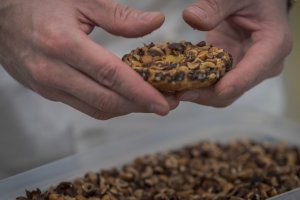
<point>228,92</point>
<point>174,104</point>
<point>189,96</point>
<point>172,101</point>
<point>199,12</point>
<point>149,16</point>
<point>159,109</point>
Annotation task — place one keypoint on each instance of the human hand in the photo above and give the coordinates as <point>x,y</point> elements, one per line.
<point>255,32</point>
<point>44,45</point>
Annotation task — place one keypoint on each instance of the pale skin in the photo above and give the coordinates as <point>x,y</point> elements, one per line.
<point>255,32</point>
<point>44,45</point>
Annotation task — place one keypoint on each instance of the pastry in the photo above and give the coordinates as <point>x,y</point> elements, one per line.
<point>174,67</point>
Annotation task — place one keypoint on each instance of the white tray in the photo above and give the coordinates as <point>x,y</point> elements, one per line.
<point>216,125</point>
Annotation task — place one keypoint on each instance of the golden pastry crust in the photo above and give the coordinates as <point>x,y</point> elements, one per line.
<point>174,67</point>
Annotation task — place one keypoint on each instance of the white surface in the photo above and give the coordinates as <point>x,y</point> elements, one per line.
<point>220,126</point>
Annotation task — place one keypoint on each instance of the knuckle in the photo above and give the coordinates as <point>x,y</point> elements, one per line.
<point>213,10</point>
<point>104,102</point>
<point>108,75</point>
<point>39,90</point>
<point>224,97</point>
<point>276,71</point>
<point>97,114</point>
<point>223,93</point>
<point>44,73</point>
<point>214,6</point>
<point>121,14</point>
<point>284,42</point>
<point>54,39</point>
<point>288,42</point>
<point>39,73</point>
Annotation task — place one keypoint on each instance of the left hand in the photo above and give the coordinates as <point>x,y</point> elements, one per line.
<point>255,32</point>
<point>44,45</point>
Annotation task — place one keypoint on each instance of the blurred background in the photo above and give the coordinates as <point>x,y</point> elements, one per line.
<point>35,131</point>
<point>290,73</point>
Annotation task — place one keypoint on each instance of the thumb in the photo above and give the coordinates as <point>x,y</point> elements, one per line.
<point>205,15</point>
<point>119,19</point>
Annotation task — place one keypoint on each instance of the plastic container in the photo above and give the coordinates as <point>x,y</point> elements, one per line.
<point>216,125</point>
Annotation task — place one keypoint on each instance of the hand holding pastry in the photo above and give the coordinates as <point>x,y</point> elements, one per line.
<point>44,45</point>
<point>257,35</point>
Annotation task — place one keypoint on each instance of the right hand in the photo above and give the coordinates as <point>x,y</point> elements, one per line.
<point>44,45</point>
<point>255,32</point>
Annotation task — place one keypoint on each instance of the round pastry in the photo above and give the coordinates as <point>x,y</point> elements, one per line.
<point>174,67</point>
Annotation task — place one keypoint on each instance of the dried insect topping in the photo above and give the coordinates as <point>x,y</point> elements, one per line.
<point>170,59</point>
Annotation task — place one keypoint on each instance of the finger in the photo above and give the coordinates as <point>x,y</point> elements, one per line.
<point>79,51</point>
<point>217,96</point>
<point>109,71</point>
<point>172,101</point>
<point>60,96</point>
<point>234,42</point>
<point>119,19</point>
<point>207,14</point>
<point>262,60</point>
<point>69,80</point>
